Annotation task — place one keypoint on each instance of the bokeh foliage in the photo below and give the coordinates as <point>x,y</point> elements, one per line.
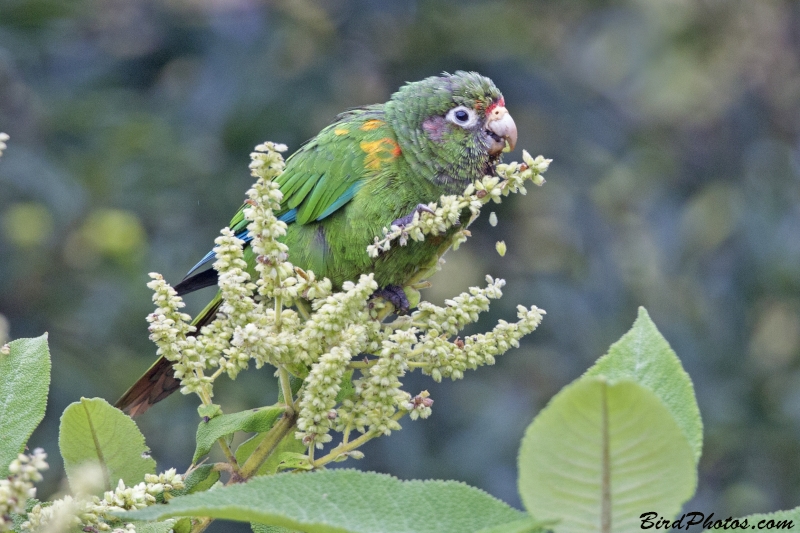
<point>675,185</point>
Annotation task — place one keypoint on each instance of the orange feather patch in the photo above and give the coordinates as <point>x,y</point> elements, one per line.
<point>341,131</point>
<point>371,124</point>
<point>380,151</point>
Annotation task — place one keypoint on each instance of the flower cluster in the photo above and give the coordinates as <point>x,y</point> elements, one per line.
<point>449,359</point>
<point>170,329</point>
<point>378,395</point>
<point>95,513</point>
<point>340,329</point>
<point>510,178</point>
<point>56,516</point>
<point>321,338</point>
<point>422,340</point>
<point>139,496</point>
<point>15,490</point>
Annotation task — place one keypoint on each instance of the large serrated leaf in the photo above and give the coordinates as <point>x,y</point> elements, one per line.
<point>643,355</point>
<point>92,431</point>
<point>261,528</point>
<point>24,382</point>
<point>344,501</point>
<point>600,454</point>
<point>525,525</point>
<point>254,421</point>
<point>154,527</point>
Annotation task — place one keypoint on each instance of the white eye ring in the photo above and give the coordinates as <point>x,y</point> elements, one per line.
<point>462,116</point>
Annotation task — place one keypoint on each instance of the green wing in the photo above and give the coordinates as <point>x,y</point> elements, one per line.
<point>327,171</point>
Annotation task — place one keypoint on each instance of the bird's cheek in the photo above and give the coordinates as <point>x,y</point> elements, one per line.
<point>435,128</point>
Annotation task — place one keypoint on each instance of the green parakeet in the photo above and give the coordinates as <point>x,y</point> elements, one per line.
<point>374,166</point>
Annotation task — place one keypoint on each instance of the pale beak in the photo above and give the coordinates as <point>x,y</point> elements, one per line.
<point>501,129</point>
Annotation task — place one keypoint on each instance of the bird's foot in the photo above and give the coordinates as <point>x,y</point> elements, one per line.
<point>406,220</point>
<point>395,295</point>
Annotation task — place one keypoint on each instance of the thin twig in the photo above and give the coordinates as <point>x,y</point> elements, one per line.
<point>228,455</point>
<point>286,388</point>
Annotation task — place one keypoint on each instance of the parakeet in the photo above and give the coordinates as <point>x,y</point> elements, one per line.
<point>374,166</point>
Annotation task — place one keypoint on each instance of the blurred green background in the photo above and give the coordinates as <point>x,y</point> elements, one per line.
<point>673,125</point>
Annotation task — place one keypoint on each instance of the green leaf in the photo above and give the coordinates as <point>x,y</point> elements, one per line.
<point>294,461</point>
<point>92,431</point>
<point>413,296</point>
<point>155,527</point>
<point>18,519</point>
<point>198,480</point>
<point>643,355</point>
<point>339,501</point>
<point>24,381</point>
<point>261,528</point>
<point>184,525</point>
<point>246,448</point>
<point>254,420</point>
<point>288,445</point>
<point>346,388</point>
<point>209,411</point>
<point>524,525</point>
<point>777,521</point>
<point>601,453</point>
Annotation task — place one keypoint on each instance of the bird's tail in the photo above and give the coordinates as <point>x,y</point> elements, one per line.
<point>159,381</point>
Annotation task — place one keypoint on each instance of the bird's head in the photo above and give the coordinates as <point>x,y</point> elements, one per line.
<point>473,107</point>
<point>459,121</point>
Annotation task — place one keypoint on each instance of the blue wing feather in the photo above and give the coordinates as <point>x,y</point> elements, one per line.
<point>288,217</point>
<point>343,199</point>
<point>244,235</point>
<point>206,258</point>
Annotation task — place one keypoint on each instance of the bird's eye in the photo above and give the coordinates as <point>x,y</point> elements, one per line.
<point>462,116</point>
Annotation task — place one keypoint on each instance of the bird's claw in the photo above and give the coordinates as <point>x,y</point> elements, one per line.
<point>395,295</point>
<point>406,220</point>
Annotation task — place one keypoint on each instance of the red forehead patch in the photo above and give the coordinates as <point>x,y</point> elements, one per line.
<point>501,102</point>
